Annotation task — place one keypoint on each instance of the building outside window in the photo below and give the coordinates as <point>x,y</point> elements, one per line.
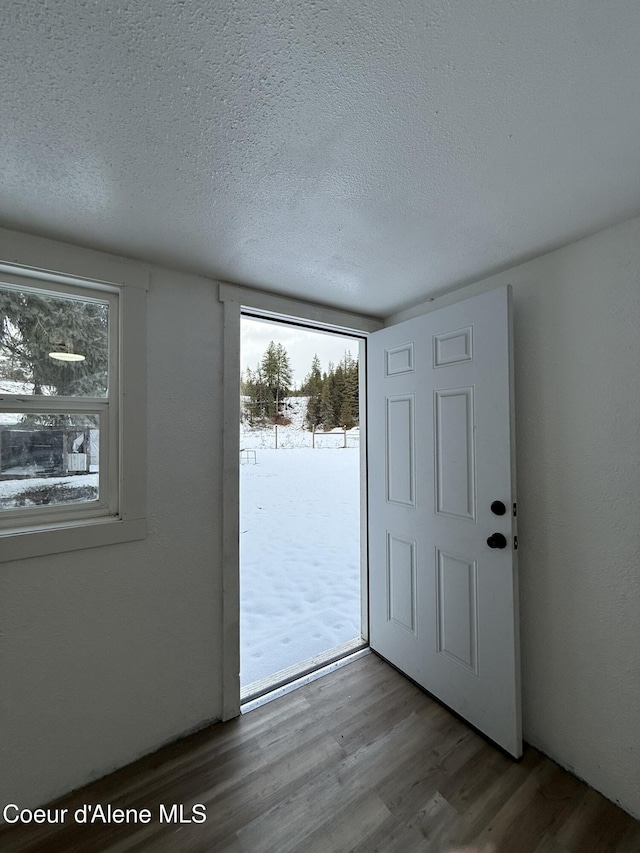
<point>59,403</point>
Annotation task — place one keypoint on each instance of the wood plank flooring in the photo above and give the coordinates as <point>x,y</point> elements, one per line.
<point>360,760</point>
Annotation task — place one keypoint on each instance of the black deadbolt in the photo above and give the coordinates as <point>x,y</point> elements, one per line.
<point>497,540</point>
<point>498,508</point>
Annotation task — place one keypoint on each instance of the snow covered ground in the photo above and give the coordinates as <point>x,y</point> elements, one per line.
<point>300,557</point>
<point>295,434</point>
<point>12,491</point>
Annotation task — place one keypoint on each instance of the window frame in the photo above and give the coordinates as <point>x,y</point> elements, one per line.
<point>119,514</point>
<point>106,408</point>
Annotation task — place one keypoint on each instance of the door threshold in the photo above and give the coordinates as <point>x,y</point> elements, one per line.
<point>280,683</point>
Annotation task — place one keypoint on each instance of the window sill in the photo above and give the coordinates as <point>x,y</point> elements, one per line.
<point>70,536</point>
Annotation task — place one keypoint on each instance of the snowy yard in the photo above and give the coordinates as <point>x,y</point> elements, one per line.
<point>300,558</point>
<point>74,488</point>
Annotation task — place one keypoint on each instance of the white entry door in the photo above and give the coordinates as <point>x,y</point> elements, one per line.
<point>443,586</point>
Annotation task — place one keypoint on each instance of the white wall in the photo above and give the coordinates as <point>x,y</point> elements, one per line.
<point>107,653</point>
<point>577,348</point>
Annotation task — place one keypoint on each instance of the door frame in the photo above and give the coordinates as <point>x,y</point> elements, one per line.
<point>269,306</point>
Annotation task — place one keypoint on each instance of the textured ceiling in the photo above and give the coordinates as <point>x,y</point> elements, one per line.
<point>364,154</point>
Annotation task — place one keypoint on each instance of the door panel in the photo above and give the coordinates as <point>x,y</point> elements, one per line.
<point>443,604</point>
<point>457,609</point>
<point>454,453</point>
<point>400,450</point>
<point>401,582</point>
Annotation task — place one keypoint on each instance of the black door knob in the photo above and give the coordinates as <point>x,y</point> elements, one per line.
<point>498,508</point>
<point>497,540</point>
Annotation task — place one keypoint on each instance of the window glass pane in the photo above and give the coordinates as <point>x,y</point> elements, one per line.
<point>48,459</point>
<point>53,344</point>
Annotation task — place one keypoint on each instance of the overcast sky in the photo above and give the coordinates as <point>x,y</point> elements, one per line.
<point>300,344</point>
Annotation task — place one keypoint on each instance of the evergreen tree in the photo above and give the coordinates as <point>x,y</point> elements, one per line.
<point>337,394</point>
<point>264,395</point>
<point>327,413</point>
<point>313,381</point>
<point>337,405</point>
<point>347,419</point>
<point>313,389</point>
<point>32,326</point>
<point>260,402</point>
<point>350,387</point>
<point>276,373</point>
<point>249,389</point>
<point>333,395</point>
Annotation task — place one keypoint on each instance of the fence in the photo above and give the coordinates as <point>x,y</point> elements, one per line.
<point>284,438</point>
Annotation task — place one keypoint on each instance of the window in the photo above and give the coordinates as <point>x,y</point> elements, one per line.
<point>59,404</point>
<point>62,443</point>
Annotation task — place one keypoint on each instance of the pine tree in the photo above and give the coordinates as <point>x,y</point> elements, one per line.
<point>277,376</point>
<point>351,385</point>
<point>347,420</point>
<point>337,393</point>
<point>248,388</point>
<point>313,382</point>
<point>313,389</point>
<point>32,326</point>
<point>327,413</point>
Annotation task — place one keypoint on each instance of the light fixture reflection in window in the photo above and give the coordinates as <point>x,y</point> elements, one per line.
<point>64,352</point>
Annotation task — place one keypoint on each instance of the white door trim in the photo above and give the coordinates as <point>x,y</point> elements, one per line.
<point>270,306</point>
<point>296,310</point>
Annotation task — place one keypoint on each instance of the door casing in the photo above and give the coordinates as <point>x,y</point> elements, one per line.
<point>236,301</point>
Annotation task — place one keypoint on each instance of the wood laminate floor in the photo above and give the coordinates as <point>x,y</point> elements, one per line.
<point>360,760</point>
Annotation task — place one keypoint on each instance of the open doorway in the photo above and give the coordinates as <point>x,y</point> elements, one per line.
<point>301,598</point>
